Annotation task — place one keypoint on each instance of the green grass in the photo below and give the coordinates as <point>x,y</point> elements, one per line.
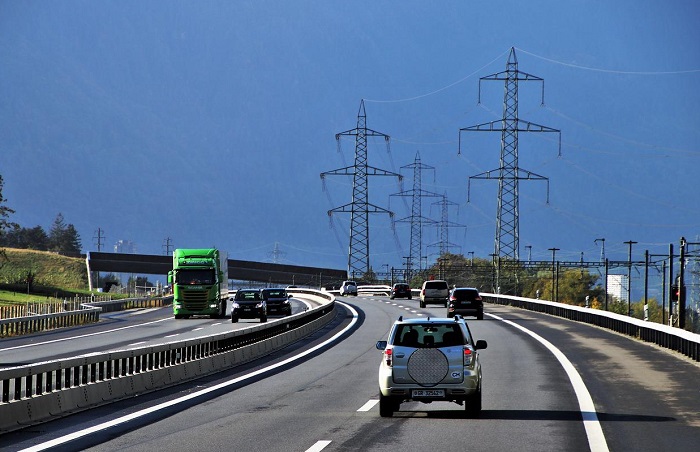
<point>55,276</point>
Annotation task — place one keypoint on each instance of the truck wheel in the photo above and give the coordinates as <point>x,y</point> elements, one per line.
<point>480,315</point>
<point>178,316</point>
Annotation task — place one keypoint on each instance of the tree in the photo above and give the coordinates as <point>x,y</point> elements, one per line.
<point>4,222</point>
<point>64,238</point>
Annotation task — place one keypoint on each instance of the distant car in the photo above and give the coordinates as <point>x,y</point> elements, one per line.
<point>348,288</point>
<point>277,301</point>
<point>248,304</point>
<point>428,360</point>
<point>400,290</point>
<point>434,291</point>
<point>465,301</point>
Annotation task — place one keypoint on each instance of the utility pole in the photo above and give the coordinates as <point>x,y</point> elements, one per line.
<point>167,246</point>
<point>99,239</point>
<point>360,208</point>
<point>629,277</point>
<point>602,250</point>
<point>416,219</point>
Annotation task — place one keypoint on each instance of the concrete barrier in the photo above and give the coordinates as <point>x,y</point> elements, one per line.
<point>40,392</point>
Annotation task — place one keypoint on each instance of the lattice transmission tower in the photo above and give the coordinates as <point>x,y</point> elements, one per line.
<point>416,219</point>
<point>509,174</point>
<point>444,226</point>
<point>360,207</point>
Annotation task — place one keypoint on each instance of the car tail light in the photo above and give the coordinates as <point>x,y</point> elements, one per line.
<point>468,356</point>
<point>388,357</point>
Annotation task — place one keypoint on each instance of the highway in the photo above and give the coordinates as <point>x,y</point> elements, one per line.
<point>121,330</point>
<point>323,397</point>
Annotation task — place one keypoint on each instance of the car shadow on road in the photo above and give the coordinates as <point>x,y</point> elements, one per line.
<point>535,415</point>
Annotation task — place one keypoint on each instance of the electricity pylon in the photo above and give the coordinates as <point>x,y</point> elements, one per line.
<point>509,174</point>
<point>360,208</point>
<point>444,225</point>
<point>416,219</point>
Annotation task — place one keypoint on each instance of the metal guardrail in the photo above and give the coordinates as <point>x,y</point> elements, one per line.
<point>665,336</point>
<point>36,393</point>
<point>89,312</point>
<point>42,322</point>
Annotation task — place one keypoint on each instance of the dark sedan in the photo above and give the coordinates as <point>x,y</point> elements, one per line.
<point>400,290</point>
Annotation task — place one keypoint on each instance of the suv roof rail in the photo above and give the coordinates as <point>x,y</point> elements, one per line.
<point>400,318</point>
<point>457,317</point>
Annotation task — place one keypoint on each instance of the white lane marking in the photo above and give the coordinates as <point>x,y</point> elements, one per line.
<point>214,324</point>
<point>594,432</point>
<point>172,335</point>
<point>82,335</point>
<point>136,343</point>
<point>161,406</point>
<point>319,446</point>
<point>369,405</point>
<point>197,329</point>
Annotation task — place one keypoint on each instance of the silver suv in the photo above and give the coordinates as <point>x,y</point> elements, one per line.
<point>348,288</point>
<point>435,291</point>
<point>428,360</point>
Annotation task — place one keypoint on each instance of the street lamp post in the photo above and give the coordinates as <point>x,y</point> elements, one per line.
<point>554,252</point>
<point>629,277</point>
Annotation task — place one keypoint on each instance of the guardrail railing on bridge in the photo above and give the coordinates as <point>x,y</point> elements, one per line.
<point>74,314</point>
<point>666,336</point>
<point>39,392</point>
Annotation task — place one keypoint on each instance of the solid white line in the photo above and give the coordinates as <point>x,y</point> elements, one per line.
<point>319,446</point>
<point>369,405</point>
<point>596,439</point>
<point>136,343</point>
<point>130,417</point>
<point>197,329</point>
<point>82,335</point>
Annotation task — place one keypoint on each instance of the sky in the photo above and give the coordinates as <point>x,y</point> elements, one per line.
<point>208,123</point>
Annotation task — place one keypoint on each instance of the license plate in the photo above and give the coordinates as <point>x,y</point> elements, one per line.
<point>428,393</point>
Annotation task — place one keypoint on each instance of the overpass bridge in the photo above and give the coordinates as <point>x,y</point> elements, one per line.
<point>240,270</point>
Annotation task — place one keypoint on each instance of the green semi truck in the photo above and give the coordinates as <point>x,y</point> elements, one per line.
<point>199,281</point>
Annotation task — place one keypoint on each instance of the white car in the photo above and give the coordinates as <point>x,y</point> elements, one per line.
<point>348,288</point>
<point>434,291</point>
<point>428,360</point>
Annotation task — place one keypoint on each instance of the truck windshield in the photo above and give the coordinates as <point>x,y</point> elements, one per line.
<point>195,277</point>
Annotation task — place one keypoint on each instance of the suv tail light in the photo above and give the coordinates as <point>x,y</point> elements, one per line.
<point>388,357</point>
<point>468,356</point>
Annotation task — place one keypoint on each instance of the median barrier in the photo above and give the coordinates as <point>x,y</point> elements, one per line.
<point>40,392</point>
<point>665,336</point>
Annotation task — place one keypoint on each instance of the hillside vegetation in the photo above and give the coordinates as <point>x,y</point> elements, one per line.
<point>48,272</point>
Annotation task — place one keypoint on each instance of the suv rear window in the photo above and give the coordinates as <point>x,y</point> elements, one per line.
<point>428,335</point>
<point>440,285</point>
<point>465,294</point>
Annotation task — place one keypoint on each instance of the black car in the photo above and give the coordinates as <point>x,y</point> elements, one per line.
<point>277,301</point>
<point>465,301</point>
<point>248,304</point>
<point>400,290</point>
